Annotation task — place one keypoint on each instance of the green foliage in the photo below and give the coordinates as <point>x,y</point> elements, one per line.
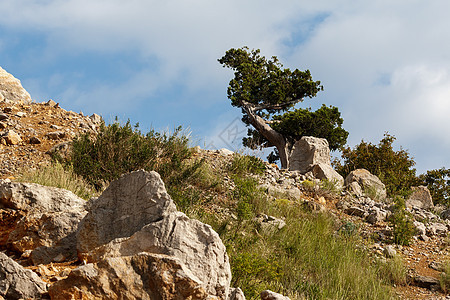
<point>394,168</point>
<point>438,182</point>
<point>56,175</point>
<point>263,88</point>
<point>246,164</point>
<point>245,193</point>
<point>401,222</point>
<point>120,149</point>
<point>444,279</point>
<point>392,270</point>
<point>325,123</point>
<point>264,81</point>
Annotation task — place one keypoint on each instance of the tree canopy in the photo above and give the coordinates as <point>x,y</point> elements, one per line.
<point>267,94</point>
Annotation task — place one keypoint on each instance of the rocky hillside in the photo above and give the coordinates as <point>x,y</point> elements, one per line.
<point>132,242</point>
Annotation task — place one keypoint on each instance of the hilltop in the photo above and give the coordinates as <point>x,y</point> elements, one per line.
<point>256,208</point>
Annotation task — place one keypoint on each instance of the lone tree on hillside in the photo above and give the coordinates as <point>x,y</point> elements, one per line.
<point>267,94</point>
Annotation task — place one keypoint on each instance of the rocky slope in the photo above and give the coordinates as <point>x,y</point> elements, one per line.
<point>57,245</point>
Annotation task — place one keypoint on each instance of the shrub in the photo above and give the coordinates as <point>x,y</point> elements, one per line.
<point>121,149</point>
<point>402,225</point>
<point>394,168</point>
<point>246,164</point>
<point>444,279</point>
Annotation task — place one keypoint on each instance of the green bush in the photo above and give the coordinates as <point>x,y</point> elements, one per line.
<point>119,149</point>
<point>401,222</point>
<point>246,164</point>
<point>444,279</point>
<point>394,168</point>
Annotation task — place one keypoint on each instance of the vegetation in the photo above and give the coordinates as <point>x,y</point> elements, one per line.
<point>394,168</point>
<point>401,222</point>
<point>444,279</point>
<point>438,182</point>
<point>56,175</point>
<point>263,89</point>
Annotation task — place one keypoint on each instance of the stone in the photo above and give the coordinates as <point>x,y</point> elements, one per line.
<point>326,172</point>
<point>269,295</point>
<point>16,282</point>
<point>3,116</point>
<point>142,276</point>
<point>49,222</point>
<point>420,228</point>
<point>420,198</point>
<point>11,89</point>
<point>96,119</point>
<point>389,251</point>
<point>370,185</point>
<point>12,138</point>
<point>425,281</point>
<point>269,222</point>
<point>307,152</point>
<point>34,140</point>
<point>135,214</point>
<point>355,211</point>
<point>56,135</point>
<point>437,229</point>
<point>236,294</point>
<point>51,103</point>
<point>446,214</point>
<point>225,152</point>
<point>376,216</point>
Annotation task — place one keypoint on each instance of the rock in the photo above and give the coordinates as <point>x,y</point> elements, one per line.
<point>420,228</point>
<point>269,222</point>
<point>11,89</point>
<point>225,152</point>
<point>51,103</point>
<point>56,135</point>
<point>446,214</point>
<point>425,281</point>
<point>96,119</point>
<point>307,152</point>
<point>326,172</point>
<point>376,216</point>
<point>141,276</point>
<point>389,251</point>
<point>420,198</point>
<point>3,116</point>
<point>236,294</point>
<point>269,295</point>
<point>17,282</point>
<point>369,185</point>
<point>21,114</point>
<point>50,220</point>
<point>292,193</point>
<point>355,211</point>
<point>12,138</point>
<point>135,214</point>
<point>34,140</point>
<point>437,229</point>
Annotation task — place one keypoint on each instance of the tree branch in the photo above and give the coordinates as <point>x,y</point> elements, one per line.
<point>275,106</point>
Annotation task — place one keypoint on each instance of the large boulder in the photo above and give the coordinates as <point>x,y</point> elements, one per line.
<point>307,152</point>
<point>49,222</point>
<point>361,182</point>
<point>17,282</point>
<point>141,276</point>
<point>135,214</point>
<point>326,172</point>
<point>11,89</point>
<point>420,198</point>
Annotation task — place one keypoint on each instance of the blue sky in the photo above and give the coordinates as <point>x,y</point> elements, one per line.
<point>385,64</point>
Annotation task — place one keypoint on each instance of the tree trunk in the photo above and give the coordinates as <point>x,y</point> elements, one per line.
<point>274,137</point>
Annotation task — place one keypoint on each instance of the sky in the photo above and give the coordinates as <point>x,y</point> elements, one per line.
<point>384,64</point>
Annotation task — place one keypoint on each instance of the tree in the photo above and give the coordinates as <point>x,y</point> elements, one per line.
<point>266,92</point>
<point>394,168</point>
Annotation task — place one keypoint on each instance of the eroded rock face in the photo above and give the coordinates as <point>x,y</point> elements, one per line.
<point>420,198</point>
<point>361,182</point>
<point>17,282</point>
<point>141,276</point>
<point>49,222</point>
<point>11,89</point>
<point>307,152</point>
<point>135,214</point>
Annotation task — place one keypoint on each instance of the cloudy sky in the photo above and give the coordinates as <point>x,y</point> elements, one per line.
<point>385,64</point>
